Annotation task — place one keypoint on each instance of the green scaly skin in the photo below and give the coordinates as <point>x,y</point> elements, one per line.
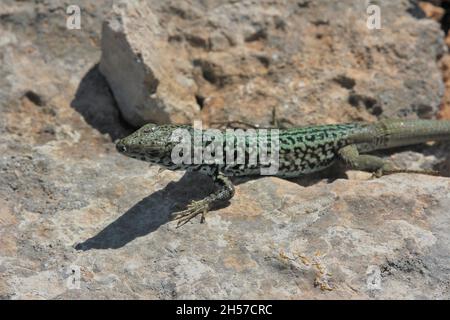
<point>301,151</point>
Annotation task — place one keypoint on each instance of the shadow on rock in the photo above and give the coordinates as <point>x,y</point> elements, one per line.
<point>150,213</point>
<point>155,210</point>
<point>95,102</point>
<point>442,152</point>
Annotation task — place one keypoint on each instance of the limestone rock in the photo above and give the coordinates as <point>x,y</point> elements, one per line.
<point>311,61</point>
<point>432,11</point>
<point>145,74</point>
<point>80,221</point>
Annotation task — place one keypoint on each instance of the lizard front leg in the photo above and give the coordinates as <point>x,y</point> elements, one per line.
<point>376,165</point>
<point>224,191</point>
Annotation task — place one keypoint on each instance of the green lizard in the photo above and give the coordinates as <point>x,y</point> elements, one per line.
<point>300,151</point>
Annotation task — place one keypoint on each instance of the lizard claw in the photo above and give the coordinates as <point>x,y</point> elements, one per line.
<point>193,209</point>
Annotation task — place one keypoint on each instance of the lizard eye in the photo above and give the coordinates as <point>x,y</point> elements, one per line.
<point>149,128</point>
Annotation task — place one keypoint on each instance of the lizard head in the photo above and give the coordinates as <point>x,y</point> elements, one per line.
<point>149,143</point>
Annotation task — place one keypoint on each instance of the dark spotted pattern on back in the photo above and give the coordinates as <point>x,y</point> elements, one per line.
<point>301,150</point>
<point>309,149</point>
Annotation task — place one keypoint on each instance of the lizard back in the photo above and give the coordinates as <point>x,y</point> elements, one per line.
<point>301,150</point>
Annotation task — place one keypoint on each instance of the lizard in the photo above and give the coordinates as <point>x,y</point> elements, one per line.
<point>301,151</point>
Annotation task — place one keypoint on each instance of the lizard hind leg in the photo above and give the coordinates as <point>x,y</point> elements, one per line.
<point>376,165</point>
<point>225,191</point>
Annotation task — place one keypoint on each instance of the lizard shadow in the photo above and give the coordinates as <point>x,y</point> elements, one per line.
<point>150,213</point>
<point>155,210</point>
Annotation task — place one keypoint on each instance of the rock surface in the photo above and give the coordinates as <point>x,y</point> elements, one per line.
<point>311,61</point>
<point>146,76</point>
<point>71,205</point>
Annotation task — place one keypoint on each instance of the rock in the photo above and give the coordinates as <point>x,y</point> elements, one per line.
<point>240,61</point>
<point>145,74</point>
<point>80,221</point>
<point>431,11</point>
<point>445,65</point>
<point>447,40</point>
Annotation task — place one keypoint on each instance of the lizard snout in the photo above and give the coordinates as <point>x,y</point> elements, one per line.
<point>120,147</point>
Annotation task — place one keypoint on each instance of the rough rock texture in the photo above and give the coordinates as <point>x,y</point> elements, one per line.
<point>445,66</point>
<point>146,75</point>
<point>310,60</point>
<point>69,202</point>
<point>445,63</point>
<point>432,11</point>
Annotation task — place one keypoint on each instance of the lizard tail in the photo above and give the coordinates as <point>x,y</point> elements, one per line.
<point>394,133</point>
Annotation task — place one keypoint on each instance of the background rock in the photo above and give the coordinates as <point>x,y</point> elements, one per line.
<point>145,74</point>
<point>69,202</point>
<point>312,61</point>
<point>432,11</point>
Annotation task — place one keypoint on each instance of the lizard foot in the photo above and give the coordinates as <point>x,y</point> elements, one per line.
<point>193,209</point>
